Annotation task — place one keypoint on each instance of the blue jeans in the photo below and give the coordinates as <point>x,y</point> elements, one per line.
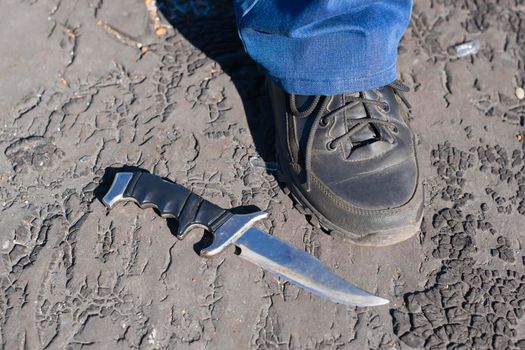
<point>324,47</point>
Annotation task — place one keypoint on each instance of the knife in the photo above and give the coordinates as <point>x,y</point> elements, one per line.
<point>260,248</point>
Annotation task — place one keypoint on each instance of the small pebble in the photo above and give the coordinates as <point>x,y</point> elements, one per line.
<point>520,93</point>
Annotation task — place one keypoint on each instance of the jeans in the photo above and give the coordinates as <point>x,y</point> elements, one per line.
<point>324,47</point>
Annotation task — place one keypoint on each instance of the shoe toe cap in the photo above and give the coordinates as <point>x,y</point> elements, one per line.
<point>381,189</point>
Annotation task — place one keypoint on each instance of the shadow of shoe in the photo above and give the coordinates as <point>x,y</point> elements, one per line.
<point>210,26</point>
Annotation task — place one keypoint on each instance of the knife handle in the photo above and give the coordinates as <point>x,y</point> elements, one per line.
<point>170,199</point>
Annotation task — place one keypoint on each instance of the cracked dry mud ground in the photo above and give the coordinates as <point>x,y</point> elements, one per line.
<point>91,84</point>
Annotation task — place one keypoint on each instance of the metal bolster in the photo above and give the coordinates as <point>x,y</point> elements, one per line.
<point>230,231</point>
<point>116,191</point>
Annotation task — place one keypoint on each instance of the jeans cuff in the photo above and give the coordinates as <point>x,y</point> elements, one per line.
<point>329,87</point>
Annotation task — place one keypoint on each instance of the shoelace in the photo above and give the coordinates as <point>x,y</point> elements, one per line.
<point>355,126</point>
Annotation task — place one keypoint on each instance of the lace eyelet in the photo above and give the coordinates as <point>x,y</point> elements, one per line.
<point>385,107</point>
<point>323,122</point>
<point>331,146</point>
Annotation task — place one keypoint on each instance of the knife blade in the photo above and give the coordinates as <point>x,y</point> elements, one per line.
<point>260,248</point>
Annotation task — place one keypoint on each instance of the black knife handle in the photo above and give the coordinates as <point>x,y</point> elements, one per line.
<point>175,201</point>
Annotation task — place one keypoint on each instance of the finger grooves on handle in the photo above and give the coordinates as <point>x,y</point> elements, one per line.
<point>176,201</point>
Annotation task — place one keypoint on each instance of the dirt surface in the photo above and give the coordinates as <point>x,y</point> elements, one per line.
<point>91,84</point>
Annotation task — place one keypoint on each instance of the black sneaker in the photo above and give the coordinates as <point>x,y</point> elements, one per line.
<point>350,162</point>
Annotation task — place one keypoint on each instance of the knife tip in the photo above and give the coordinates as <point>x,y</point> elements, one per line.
<point>370,301</point>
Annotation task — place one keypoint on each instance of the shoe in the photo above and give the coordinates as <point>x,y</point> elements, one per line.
<point>350,162</point>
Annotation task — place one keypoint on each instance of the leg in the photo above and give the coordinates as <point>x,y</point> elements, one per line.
<point>324,47</point>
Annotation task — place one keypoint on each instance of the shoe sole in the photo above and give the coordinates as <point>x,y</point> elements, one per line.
<point>316,219</point>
